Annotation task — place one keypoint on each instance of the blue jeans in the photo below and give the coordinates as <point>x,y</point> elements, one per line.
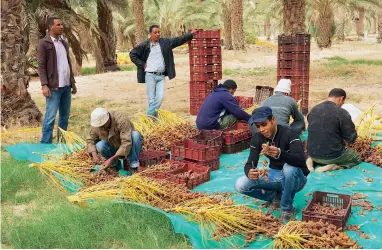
<point>60,100</point>
<point>286,182</point>
<point>107,151</point>
<point>155,92</point>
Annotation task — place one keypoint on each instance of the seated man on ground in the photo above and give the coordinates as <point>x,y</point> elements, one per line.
<point>287,173</point>
<point>283,107</point>
<point>112,135</point>
<point>330,126</point>
<point>220,109</point>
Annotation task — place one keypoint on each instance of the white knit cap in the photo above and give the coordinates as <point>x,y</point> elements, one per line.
<point>99,117</point>
<point>284,86</point>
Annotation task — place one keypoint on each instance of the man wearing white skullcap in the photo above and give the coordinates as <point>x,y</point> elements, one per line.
<point>113,136</point>
<point>284,106</point>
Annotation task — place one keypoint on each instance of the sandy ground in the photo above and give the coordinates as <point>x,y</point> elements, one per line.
<point>363,83</point>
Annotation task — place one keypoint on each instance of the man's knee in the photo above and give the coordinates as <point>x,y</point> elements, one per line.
<point>290,171</point>
<point>136,136</point>
<point>101,146</point>
<point>241,184</point>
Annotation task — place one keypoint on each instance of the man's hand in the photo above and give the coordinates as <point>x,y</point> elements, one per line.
<point>106,164</point>
<point>272,151</point>
<point>74,90</point>
<point>145,65</point>
<point>95,157</point>
<point>253,174</point>
<point>193,31</point>
<point>46,91</point>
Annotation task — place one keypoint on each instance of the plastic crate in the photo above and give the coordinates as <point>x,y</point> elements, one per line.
<point>205,51</point>
<point>244,101</point>
<point>194,110</point>
<point>293,72</point>
<point>305,47</point>
<point>296,39</point>
<point>293,64</point>
<point>194,151</point>
<point>212,164</point>
<point>202,34</point>
<point>339,200</point>
<point>209,137</point>
<point>262,93</point>
<point>298,80</point>
<point>154,174</point>
<point>206,68</point>
<point>202,60</point>
<point>294,56</point>
<point>204,85</point>
<point>200,94</point>
<point>152,157</point>
<point>203,174</point>
<point>206,76</point>
<point>205,42</point>
<point>235,148</point>
<point>238,132</point>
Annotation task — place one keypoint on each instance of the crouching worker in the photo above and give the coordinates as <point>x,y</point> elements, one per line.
<point>287,169</point>
<point>113,136</point>
<point>220,109</point>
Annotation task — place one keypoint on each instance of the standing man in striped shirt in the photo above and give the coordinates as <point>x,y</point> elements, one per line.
<point>56,76</point>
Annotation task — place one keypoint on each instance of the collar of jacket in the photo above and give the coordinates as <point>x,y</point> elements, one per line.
<point>148,42</point>
<point>48,39</point>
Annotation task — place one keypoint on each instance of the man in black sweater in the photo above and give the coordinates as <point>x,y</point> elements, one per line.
<point>287,169</point>
<point>330,126</point>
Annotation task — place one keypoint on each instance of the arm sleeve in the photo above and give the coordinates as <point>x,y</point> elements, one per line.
<point>295,155</point>
<point>253,157</point>
<point>136,56</point>
<point>233,108</point>
<point>178,41</point>
<point>42,73</point>
<point>348,131</point>
<point>92,138</point>
<point>125,129</point>
<point>298,118</point>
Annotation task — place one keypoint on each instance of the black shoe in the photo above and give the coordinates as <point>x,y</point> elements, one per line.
<point>273,206</point>
<point>133,170</point>
<point>287,215</point>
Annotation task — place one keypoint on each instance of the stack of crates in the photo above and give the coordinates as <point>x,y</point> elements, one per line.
<point>205,66</point>
<point>293,63</point>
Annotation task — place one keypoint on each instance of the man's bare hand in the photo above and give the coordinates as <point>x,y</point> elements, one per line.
<point>253,174</point>
<point>193,31</point>
<point>46,91</point>
<point>95,158</point>
<point>74,90</point>
<point>272,151</point>
<point>145,65</point>
<point>106,164</point>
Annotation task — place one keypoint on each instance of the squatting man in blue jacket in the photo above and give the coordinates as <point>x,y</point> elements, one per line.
<point>287,168</point>
<point>220,109</point>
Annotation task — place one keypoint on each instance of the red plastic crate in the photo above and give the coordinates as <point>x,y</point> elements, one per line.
<point>294,56</point>
<point>204,85</point>
<point>205,51</point>
<point>293,64</point>
<point>214,42</point>
<point>238,132</point>
<point>244,101</point>
<point>202,60</point>
<point>151,157</point>
<point>200,94</point>
<point>202,34</point>
<point>203,174</point>
<point>194,151</point>
<point>206,68</point>
<point>293,72</point>
<point>152,174</point>
<point>235,148</point>
<point>209,137</point>
<point>212,164</point>
<point>206,76</point>
<point>305,47</point>
<point>296,39</point>
<point>339,200</point>
<point>262,93</point>
<point>194,110</point>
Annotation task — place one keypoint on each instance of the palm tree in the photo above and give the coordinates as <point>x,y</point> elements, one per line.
<point>324,22</point>
<point>360,21</point>
<point>341,19</point>
<point>237,31</point>
<point>226,11</point>
<point>140,29</point>
<point>294,17</point>
<point>379,28</point>
<point>17,105</point>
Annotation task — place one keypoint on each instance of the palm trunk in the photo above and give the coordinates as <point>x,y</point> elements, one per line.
<point>108,45</point>
<point>227,24</point>
<point>374,24</point>
<point>379,28</point>
<point>341,22</point>
<point>17,104</point>
<point>268,28</point>
<point>237,31</point>
<point>360,24</point>
<point>140,32</point>
<point>324,25</point>
<point>294,17</point>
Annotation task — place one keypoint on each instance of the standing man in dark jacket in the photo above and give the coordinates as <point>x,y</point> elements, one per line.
<point>220,109</point>
<point>56,76</point>
<point>155,60</point>
<point>287,169</point>
<point>330,126</point>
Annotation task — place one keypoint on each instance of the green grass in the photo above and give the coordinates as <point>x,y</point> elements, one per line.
<point>336,61</point>
<point>92,70</point>
<point>36,215</point>
<point>249,72</point>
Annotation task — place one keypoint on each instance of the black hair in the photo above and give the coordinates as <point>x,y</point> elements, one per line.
<point>50,21</point>
<point>337,92</point>
<point>270,117</point>
<point>152,27</point>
